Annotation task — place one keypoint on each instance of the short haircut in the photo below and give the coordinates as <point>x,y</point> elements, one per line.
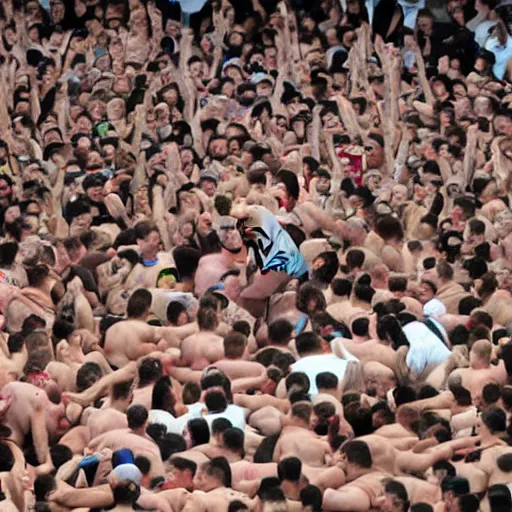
<point>87,375</point>
<point>289,468</point>
<point>207,319</point>
<point>302,411</point>
<point>139,303</point>
<point>137,415</point>
<point>143,229</point>
<point>397,284</point>
<point>219,468</point>
<point>341,287</point>
<point>234,345</point>
<point>233,439</point>
<point>299,379</point>
<point>468,304</point>
<point>360,326</point>
<point>327,380</point>
<point>169,444</point>
<point>491,393</point>
<point>182,464</point>
<point>280,331</point>
<point>307,342</point>
<point>150,370</point>
<point>444,270</point>
<point>355,258</point>
<point>174,310</point>
<point>121,390</point>
<point>358,453</point>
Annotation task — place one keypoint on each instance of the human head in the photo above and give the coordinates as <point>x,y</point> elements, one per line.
<point>181,473</point>
<point>139,303</point>
<point>213,474</point>
<point>137,416</point>
<point>148,239</point>
<point>235,344</point>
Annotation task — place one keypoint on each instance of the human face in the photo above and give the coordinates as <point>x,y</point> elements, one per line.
<point>115,109</point>
<point>209,187</point>
<point>264,89</point>
<point>374,154</point>
<point>177,478</point>
<point>150,245</point>
<point>5,189</point>
<point>459,91</point>
<point>203,482</point>
<point>189,202</point>
<point>503,125</point>
<point>96,194</point>
<point>425,24</point>
<point>391,503</point>
<point>425,294</point>
<point>11,214</point>
<point>196,70</point>
<point>219,149</point>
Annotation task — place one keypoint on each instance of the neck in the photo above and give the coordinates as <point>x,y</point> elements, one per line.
<point>480,365</point>
<point>141,318</point>
<point>332,392</point>
<point>139,431</point>
<point>291,490</point>
<point>118,406</point>
<point>151,256</point>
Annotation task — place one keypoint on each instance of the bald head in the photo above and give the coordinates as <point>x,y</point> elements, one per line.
<point>481,352</point>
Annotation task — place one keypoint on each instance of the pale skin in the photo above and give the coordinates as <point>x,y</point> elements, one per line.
<point>32,411</point>
<point>131,339</point>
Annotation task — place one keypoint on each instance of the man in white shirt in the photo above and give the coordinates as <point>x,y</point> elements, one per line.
<point>314,360</point>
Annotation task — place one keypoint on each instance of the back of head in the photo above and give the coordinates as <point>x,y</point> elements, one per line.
<point>233,440</point>
<point>150,370</point>
<point>302,411</point>
<point>398,489</point>
<point>289,468</point>
<point>234,345</point>
<point>495,420</point>
<point>137,416</point>
<point>219,468</point>
<point>358,453</point>
<point>139,303</point>
<point>355,258</point>
<point>500,498</point>
<point>444,271</point>
<point>125,492</point>
<point>207,319</point>
<point>341,287</point>
<point>280,331</point>
<point>307,343</point>
<point>87,375</point>
<point>174,310</point>
<point>360,326</point>
<point>327,380</point>
<point>311,496</point>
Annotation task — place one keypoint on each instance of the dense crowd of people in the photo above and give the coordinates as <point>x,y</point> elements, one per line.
<point>255,255</point>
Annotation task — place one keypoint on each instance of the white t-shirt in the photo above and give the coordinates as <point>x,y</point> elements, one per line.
<point>233,413</point>
<point>313,365</point>
<point>426,349</point>
<point>172,424</point>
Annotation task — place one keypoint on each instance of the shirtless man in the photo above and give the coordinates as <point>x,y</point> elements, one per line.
<point>233,364</point>
<point>133,338</point>
<point>136,438</point>
<point>297,440</point>
<point>212,488</point>
<point>481,371</point>
<point>204,348</point>
<point>27,409</point>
